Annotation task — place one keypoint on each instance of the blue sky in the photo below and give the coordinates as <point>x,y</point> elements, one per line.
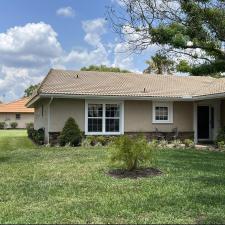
<point>36,35</point>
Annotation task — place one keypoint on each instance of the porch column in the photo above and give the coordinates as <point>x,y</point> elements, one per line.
<point>195,124</point>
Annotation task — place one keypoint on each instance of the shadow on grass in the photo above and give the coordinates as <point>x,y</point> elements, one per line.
<point>210,181</point>
<point>194,161</point>
<point>209,219</point>
<point>4,159</point>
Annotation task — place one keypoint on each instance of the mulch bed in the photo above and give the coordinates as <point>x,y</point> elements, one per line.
<point>135,174</point>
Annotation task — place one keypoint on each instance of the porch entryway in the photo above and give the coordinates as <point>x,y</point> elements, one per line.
<point>207,120</point>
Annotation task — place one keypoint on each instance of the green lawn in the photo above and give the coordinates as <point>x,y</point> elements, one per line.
<point>69,185</point>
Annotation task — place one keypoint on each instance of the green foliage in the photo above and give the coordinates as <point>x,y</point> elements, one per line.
<point>221,145</point>
<point>102,140</point>
<point>154,143</point>
<point>189,143</point>
<point>13,125</point>
<point>2,125</point>
<point>37,136</point>
<point>103,68</point>
<point>92,140</point>
<point>71,134</point>
<point>86,143</point>
<point>35,182</point>
<point>163,143</point>
<point>97,140</point>
<point>177,143</point>
<point>221,136</point>
<point>192,28</point>
<point>183,67</point>
<point>130,153</point>
<point>30,125</point>
<point>213,68</point>
<point>29,91</point>
<point>159,64</point>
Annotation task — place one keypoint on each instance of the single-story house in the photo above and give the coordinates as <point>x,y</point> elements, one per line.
<point>108,103</point>
<point>16,111</point>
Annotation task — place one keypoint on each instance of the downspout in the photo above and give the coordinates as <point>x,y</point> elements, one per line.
<point>49,117</point>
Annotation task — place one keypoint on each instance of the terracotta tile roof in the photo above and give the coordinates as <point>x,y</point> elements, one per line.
<point>16,107</point>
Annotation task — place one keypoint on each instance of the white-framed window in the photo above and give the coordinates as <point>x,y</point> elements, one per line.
<point>162,112</point>
<point>104,118</point>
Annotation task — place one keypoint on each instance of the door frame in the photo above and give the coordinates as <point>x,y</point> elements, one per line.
<point>216,104</point>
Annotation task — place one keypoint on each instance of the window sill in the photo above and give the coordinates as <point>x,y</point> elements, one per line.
<point>162,122</point>
<point>103,134</point>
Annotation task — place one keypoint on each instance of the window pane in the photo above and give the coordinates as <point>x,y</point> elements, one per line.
<point>94,125</point>
<point>95,110</point>
<point>161,113</point>
<point>112,125</point>
<point>112,110</point>
<point>18,116</point>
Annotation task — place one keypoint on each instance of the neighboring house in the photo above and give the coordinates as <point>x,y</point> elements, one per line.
<point>105,103</point>
<point>16,112</point>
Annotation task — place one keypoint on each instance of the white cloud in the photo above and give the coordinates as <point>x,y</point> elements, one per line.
<point>99,54</point>
<point>32,45</point>
<point>26,53</point>
<point>124,56</point>
<point>119,2</point>
<point>66,12</point>
<point>94,29</point>
<point>13,81</point>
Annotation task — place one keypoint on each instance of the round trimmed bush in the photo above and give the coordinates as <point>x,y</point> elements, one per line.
<point>71,134</point>
<point>14,125</point>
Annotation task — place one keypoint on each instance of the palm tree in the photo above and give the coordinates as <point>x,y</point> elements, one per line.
<point>159,64</point>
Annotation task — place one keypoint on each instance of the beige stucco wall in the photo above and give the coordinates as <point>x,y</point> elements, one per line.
<point>138,117</point>
<point>39,120</point>
<point>11,117</point>
<point>62,109</point>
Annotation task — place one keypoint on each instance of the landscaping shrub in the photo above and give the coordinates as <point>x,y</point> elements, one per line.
<point>189,143</point>
<point>98,141</point>
<point>30,132</point>
<point>92,140</point>
<point>71,134</point>
<point>130,153</point>
<point>221,145</point>
<point>38,136</point>
<point>163,143</point>
<point>2,125</point>
<point>102,140</point>
<point>154,142</point>
<point>220,136</point>
<point>30,125</point>
<point>13,125</point>
<point>177,143</point>
<point>86,143</point>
